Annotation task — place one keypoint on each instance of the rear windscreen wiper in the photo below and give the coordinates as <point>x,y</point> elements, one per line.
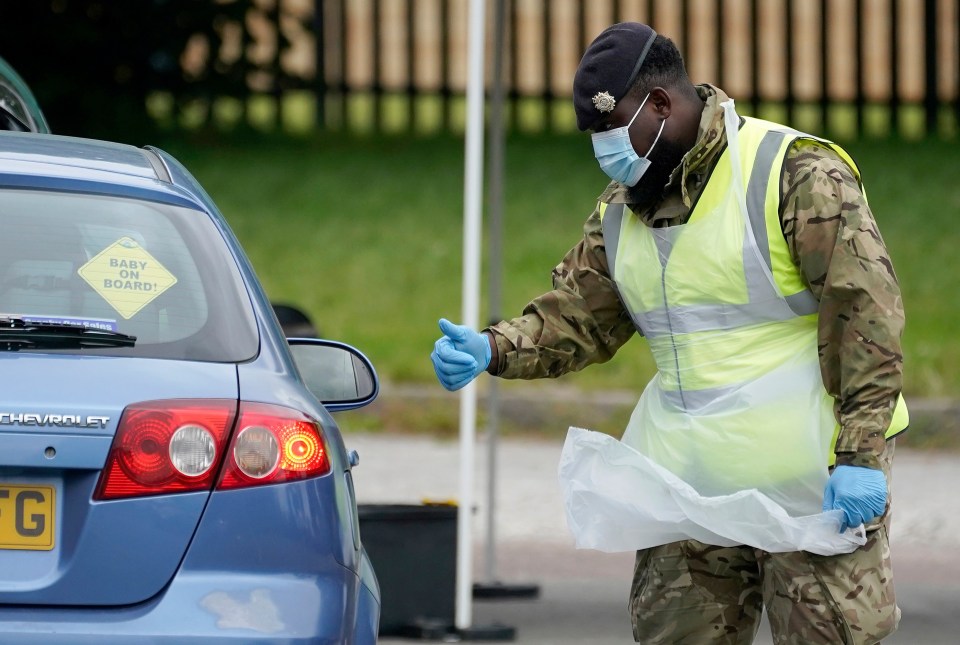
<point>18,333</point>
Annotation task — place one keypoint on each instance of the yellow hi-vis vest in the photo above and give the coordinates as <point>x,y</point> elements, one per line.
<point>738,401</point>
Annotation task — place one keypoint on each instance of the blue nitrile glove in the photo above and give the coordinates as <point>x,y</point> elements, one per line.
<point>861,493</point>
<point>459,355</point>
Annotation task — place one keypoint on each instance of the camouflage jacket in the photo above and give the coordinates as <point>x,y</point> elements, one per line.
<point>833,239</point>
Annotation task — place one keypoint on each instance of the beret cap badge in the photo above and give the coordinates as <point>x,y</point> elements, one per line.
<point>604,101</point>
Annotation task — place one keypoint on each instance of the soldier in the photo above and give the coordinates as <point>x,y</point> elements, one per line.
<point>746,254</point>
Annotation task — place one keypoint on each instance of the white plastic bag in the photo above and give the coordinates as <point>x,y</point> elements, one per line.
<point>616,499</point>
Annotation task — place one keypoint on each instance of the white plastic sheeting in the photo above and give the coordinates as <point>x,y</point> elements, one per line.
<point>616,499</point>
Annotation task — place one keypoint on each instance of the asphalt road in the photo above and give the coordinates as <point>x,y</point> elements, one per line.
<point>582,594</point>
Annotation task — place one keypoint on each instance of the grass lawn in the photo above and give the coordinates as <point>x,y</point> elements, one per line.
<point>365,234</point>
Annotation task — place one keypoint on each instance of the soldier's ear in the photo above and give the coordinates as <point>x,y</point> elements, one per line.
<point>662,102</point>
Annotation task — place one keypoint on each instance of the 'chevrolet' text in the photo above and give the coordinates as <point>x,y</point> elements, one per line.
<point>52,420</point>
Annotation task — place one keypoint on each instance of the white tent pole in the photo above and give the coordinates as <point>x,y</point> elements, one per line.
<point>473,202</point>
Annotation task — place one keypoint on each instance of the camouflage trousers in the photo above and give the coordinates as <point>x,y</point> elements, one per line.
<point>688,593</point>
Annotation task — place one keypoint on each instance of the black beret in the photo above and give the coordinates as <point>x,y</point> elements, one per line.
<point>608,70</point>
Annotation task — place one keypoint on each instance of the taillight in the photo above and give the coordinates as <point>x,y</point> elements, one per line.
<point>167,447</point>
<point>273,444</point>
<point>179,445</point>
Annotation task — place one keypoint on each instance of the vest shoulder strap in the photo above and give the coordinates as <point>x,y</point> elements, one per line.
<point>611,219</point>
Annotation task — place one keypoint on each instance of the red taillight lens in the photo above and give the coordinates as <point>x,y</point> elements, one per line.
<point>166,447</point>
<point>273,444</point>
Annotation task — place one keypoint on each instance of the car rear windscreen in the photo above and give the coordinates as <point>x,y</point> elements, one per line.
<point>160,272</point>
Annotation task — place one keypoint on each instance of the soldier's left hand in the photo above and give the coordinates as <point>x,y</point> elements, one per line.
<point>861,493</point>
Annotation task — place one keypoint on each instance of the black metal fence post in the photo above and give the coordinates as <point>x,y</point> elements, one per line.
<point>320,63</point>
<point>956,69</point>
<point>344,81</point>
<point>755,57</point>
<point>276,71</point>
<point>377,83</point>
<point>445,91</point>
<point>684,26</point>
<point>859,98</point>
<point>581,27</point>
<point>931,96</point>
<point>547,53</point>
<point>825,66</point>
<point>790,98</point>
<point>719,24</point>
<point>894,121</point>
<point>411,65</point>
<point>514,92</point>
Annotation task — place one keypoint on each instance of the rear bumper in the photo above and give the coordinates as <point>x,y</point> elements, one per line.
<point>200,609</point>
<point>268,564</point>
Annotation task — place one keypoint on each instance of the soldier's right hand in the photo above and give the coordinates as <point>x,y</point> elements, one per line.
<point>459,356</point>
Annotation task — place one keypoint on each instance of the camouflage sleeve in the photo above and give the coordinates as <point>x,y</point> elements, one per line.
<point>580,322</point>
<point>834,239</point>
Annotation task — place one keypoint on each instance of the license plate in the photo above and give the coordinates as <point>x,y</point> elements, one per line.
<point>26,517</point>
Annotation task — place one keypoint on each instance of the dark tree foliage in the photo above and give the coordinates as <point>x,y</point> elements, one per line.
<point>93,63</point>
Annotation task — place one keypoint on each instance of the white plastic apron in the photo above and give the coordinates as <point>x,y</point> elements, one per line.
<point>747,465</point>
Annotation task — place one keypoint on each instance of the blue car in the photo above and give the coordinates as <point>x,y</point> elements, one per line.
<point>170,471</point>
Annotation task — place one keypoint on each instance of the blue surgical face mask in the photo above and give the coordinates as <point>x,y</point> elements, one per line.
<point>616,154</point>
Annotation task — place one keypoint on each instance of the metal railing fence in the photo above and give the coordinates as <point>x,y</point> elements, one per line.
<point>848,67</point>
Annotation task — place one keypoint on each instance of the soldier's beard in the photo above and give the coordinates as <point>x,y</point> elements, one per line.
<point>666,156</point>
